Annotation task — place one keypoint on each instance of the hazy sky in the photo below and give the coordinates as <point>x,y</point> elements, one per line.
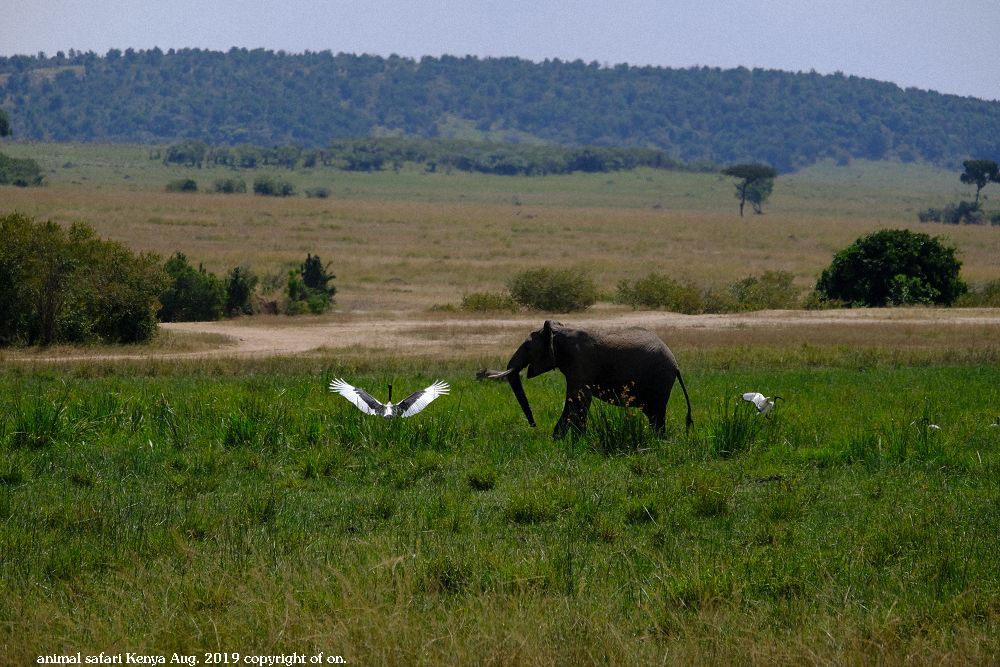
<point>942,45</point>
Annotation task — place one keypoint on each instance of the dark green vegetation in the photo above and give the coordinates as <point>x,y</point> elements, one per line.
<point>376,154</point>
<point>976,172</point>
<point>193,294</point>
<point>241,284</point>
<point>183,185</point>
<point>770,290</point>
<point>309,289</point>
<point>68,285</point>
<point>266,98</point>
<point>269,186</point>
<point>755,182</point>
<point>980,173</point>
<point>19,171</point>
<point>893,267</point>
<point>230,186</point>
<point>16,171</point>
<point>553,290</point>
<point>200,509</point>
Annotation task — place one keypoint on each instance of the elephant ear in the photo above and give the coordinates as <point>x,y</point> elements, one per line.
<point>546,359</point>
<point>550,339</point>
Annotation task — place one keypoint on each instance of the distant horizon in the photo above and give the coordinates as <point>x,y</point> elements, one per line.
<point>413,58</point>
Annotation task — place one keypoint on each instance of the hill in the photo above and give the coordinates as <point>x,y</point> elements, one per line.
<point>698,114</point>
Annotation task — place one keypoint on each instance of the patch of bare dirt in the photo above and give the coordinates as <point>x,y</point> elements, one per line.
<point>419,334</point>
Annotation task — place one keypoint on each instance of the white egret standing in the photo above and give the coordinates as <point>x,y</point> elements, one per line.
<point>408,407</point>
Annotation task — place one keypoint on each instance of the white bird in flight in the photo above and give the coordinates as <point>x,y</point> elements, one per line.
<point>407,407</point>
<point>763,403</point>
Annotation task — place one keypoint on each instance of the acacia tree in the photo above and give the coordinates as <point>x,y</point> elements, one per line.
<point>755,184</point>
<point>979,173</point>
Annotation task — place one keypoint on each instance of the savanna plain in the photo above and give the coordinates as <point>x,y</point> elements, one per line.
<point>197,496</point>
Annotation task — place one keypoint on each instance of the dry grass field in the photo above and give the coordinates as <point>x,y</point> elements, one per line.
<point>411,239</point>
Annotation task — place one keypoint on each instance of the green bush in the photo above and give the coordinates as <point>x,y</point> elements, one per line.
<point>194,295</point>
<point>309,288</point>
<point>480,302</point>
<point>230,185</point>
<point>952,214</point>
<point>240,286</point>
<point>770,291</point>
<point>553,290</point>
<point>659,291</point>
<point>183,185</point>
<point>19,171</point>
<point>272,187</point>
<point>59,285</point>
<point>318,193</point>
<point>893,267</point>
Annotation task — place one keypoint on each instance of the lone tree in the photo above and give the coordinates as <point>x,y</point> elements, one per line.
<point>893,267</point>
<point>979,173</point>
<point>5,130</point>
<point>755,184</point>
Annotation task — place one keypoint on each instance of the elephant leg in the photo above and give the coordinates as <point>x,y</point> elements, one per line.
<point>574,413</point>
<point>656,413</point>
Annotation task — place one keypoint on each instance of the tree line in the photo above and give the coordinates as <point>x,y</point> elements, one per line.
<point>376,154</point>
<point>67,285</point>
<point>267,98</point>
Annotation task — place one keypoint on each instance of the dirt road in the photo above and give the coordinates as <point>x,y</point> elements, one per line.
<point>419,334</point>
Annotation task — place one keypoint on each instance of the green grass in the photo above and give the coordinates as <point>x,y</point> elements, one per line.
<point>208,510</point>
<point>883,190</point>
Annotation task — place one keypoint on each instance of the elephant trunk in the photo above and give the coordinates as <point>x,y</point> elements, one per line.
<point>517,362</point>
<point>515,384</point>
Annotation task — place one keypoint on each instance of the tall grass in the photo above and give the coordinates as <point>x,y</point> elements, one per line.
<point>201,511</point>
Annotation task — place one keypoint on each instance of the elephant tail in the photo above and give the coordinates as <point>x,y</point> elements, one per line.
<point>689,421</point>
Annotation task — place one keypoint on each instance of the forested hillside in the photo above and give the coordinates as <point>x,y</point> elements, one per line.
<point>697,114</point>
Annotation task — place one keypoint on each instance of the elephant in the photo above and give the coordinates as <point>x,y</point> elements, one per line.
<point>627,367</point>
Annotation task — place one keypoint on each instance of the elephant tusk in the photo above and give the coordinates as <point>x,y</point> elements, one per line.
<point>487,374</point>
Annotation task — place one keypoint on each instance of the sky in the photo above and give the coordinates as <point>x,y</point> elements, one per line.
<point>942,45</point>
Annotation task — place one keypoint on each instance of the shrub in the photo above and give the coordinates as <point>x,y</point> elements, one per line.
<point>272,187</point>
<point>318,193</point>
<point>952,214</point>
<point>771,290</point>
<point>194,295</point>
<point>230,185</point>
<point>878,270</point>
<point>554,290</point>
<point>21,172</point>
<point>309,288</point>
<point>659,291</point>
<point>59,285</point>
<point>488,301</point>
<point>182,185</point>
<point>929,215</point>
<point>240,286</point>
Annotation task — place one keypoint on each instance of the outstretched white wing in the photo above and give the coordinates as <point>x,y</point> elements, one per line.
<point>758,399</point>
<point>359,397</point>
<point>417,401</point>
